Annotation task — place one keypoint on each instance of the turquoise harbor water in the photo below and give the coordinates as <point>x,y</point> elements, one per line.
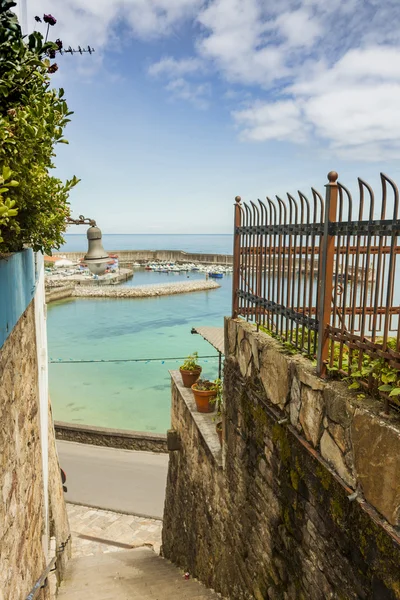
<point>128,395</point>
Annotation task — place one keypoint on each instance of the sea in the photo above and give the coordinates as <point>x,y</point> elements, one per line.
<point>147,336</point>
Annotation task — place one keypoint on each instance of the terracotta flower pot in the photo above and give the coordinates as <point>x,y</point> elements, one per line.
<point>202,399</point>
<point>189,377</point>
<point>218,428</point>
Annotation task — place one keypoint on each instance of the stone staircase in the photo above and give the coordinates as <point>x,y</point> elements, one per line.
<point>138,574</point>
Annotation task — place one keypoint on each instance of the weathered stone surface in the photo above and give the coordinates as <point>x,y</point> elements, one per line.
<point>336,406</point>
<point>143,291</point>
<point>334,457</point>
<point>274,522</point>
<point>244,356</point>
<point>231,330</point>
<point>112,438</point>
<point>338,434</point>
<point>22,514</point>
<point>295,403</point>
<point>274,375</point>
<point>21,483</point>
<point>255,351</point>
<point>376,447</point>
<point>311,414</point>
<point>310,379</point>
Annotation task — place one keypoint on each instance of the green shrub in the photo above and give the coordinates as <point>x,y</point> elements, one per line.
<point>32,121</point>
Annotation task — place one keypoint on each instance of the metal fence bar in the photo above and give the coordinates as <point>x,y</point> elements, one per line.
<point>236,258</point>
<point>326,281</point>
<point>321,277</point>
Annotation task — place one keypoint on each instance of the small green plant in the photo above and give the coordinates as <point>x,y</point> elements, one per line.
<point>205,385</point>
<point>191,363</point>
<point>348,365</point>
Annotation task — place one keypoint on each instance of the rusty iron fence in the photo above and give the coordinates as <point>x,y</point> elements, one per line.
<point>320,274</point>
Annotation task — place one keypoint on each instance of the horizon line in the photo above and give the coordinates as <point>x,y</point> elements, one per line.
<point>155,234</point>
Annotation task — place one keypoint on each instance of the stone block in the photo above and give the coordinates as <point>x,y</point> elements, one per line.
<point>295,403</point>
<point>274,374</point>
<point>244,357</point>
<point>332,454</point>
<point>339,435</point>
<point>173,440</point>
<point>311,414</point>
<point>232,329</point>
<point>310,379</point>
<point>376,448</point>
<point>337,406</point>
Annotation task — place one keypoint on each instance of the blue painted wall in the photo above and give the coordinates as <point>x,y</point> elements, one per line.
<point>18,278</point>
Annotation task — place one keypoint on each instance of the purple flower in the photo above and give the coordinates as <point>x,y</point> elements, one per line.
<point>38,19</point>
<point>59,44</point>
<point>53,68</point>
<point>52,53</point>
<point>49,19</point>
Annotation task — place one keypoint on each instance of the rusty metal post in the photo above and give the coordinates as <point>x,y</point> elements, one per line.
<point>326,279</point>
<point>236,258</point>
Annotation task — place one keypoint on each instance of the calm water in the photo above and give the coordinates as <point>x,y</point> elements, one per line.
<point>128,395</point>
<point>218,244</point>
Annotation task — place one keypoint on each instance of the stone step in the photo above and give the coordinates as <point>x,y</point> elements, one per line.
<point>137,574</point>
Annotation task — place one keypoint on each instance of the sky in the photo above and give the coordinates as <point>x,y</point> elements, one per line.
<point>187,103</point>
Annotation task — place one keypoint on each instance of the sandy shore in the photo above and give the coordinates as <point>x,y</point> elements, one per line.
<point>143,291</point>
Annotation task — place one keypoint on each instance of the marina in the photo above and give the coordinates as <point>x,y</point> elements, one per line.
<point>129,395</point>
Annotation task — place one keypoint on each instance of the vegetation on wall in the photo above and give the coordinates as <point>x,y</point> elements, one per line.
<point>33,203</point>
<point>372,375</point>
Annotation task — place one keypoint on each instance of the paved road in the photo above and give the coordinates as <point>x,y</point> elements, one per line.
<point>121,480</point>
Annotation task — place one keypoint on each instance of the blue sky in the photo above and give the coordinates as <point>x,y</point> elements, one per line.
<point>187,103</point>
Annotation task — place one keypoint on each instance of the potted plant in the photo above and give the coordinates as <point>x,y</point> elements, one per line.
<point>206,394</point>
<point>190,370</point>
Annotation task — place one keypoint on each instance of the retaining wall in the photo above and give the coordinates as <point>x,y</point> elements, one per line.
<point>276,515</point>
<point>113,438</point>
<point>59,293</point>
<point>33,518</point>
<point>32,509</point>
<point>130,256</point>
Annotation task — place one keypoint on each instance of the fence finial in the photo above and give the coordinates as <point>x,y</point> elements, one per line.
<point>332,176</point>
<point>238,199</point>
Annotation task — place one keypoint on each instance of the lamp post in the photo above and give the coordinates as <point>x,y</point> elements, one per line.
<point>96,257</point>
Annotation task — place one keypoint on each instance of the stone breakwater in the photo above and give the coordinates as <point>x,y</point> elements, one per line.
<point>144,291</point>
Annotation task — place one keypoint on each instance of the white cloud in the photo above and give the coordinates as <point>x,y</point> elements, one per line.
<point>169,66</point>
<point>322,70</point>
<point>299,28</point>
<point>235,41</point>
<point>94,21</point>
<point>197,94</point>
<point>354,107</point>
<point>279,121</point>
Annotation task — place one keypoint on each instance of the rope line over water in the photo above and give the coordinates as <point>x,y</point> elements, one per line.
<point>59,361</point>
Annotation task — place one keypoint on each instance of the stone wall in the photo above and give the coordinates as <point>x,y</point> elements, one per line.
<point>24,550</point>
<point>279,518</point>
<point>112,438</point>
<point>130,256</point>
<point>59,293</point>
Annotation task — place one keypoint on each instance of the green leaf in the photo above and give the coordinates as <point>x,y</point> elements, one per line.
<point>395,392</point>
<point>356,374</point>
<point>354,386</point>
<point>385,388</point>
<point>6,173</point>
